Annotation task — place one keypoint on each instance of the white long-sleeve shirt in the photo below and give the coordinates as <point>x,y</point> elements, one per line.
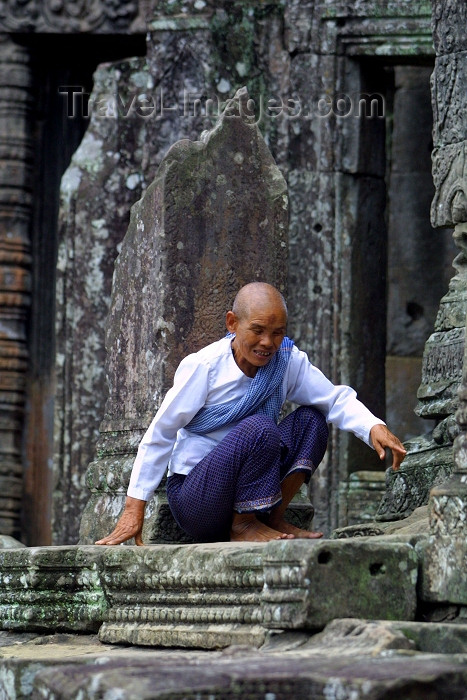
<point>211,376</point>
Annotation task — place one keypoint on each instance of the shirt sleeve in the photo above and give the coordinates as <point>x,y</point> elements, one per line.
<point>308,386</point>
<point>181,403</point>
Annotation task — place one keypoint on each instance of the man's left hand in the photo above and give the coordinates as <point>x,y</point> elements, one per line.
<point>381,438</point>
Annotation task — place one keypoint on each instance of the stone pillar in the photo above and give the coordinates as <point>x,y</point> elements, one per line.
<point>446,554</point>
<point>15,260</point>
<point>199,233</point>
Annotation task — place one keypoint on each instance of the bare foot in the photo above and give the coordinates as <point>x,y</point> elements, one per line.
<point>247,528</point>
<point>284,526</point>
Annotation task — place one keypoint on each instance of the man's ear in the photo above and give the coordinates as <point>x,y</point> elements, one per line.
<point>231,322</point>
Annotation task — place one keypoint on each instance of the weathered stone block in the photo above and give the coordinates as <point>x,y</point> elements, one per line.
<point>310,115</point>
<point>367,28</point>
<point>441,373</point>
<point>312,284</point>
<point>187,596</point>
<point>359,497</point>
<point>205,595</point>
<point>51,588</point>
<point>309,583</point>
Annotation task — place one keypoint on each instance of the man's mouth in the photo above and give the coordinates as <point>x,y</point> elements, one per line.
<point>262,354</point>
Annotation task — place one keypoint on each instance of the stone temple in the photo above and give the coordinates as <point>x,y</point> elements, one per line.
<point>155,156</point>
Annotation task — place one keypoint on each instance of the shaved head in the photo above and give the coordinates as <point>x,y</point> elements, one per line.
<point>256,293</point>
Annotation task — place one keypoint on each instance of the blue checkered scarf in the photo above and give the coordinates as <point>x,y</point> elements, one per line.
<point>264,396</point>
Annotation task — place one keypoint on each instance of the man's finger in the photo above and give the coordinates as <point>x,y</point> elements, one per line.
<point>118,536</point>
<point>398,455</point>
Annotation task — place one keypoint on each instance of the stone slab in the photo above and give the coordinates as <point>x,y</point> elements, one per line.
<point>258,677</point>
<point>200,595</point>
<point>412,529</point>
<point>183,636</point>
<point>359,497</point>
<point>351,636</point>
<point>24,655</point>
<point>44,665</point>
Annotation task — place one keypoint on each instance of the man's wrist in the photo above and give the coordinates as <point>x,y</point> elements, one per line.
<point>135,504</point>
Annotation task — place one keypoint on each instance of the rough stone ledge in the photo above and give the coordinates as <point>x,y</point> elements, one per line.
<point>209,595</point>
<point>366,658</point>
<point>256,676</point>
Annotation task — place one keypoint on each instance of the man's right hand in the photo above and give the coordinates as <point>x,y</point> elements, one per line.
<point>130,523</point>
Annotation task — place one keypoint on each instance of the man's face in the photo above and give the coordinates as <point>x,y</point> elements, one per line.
<point>258,335</point>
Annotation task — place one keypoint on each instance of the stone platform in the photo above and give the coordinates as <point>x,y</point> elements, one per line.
<point>314,619</point>
<point>206,595</point>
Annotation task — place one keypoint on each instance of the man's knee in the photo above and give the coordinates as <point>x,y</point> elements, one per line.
<point>260,424</point>
<point>313,416</point>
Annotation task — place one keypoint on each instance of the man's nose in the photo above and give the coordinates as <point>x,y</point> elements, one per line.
<point>266,340</point>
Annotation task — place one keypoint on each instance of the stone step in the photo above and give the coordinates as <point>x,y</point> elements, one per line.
<point>277,677</point>
<point>206,595</point>
<point>351,658</point>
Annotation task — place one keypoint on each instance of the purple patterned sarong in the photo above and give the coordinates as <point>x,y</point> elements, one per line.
<point>244,472</point>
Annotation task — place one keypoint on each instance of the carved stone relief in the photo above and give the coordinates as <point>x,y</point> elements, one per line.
<point>66,15</point>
